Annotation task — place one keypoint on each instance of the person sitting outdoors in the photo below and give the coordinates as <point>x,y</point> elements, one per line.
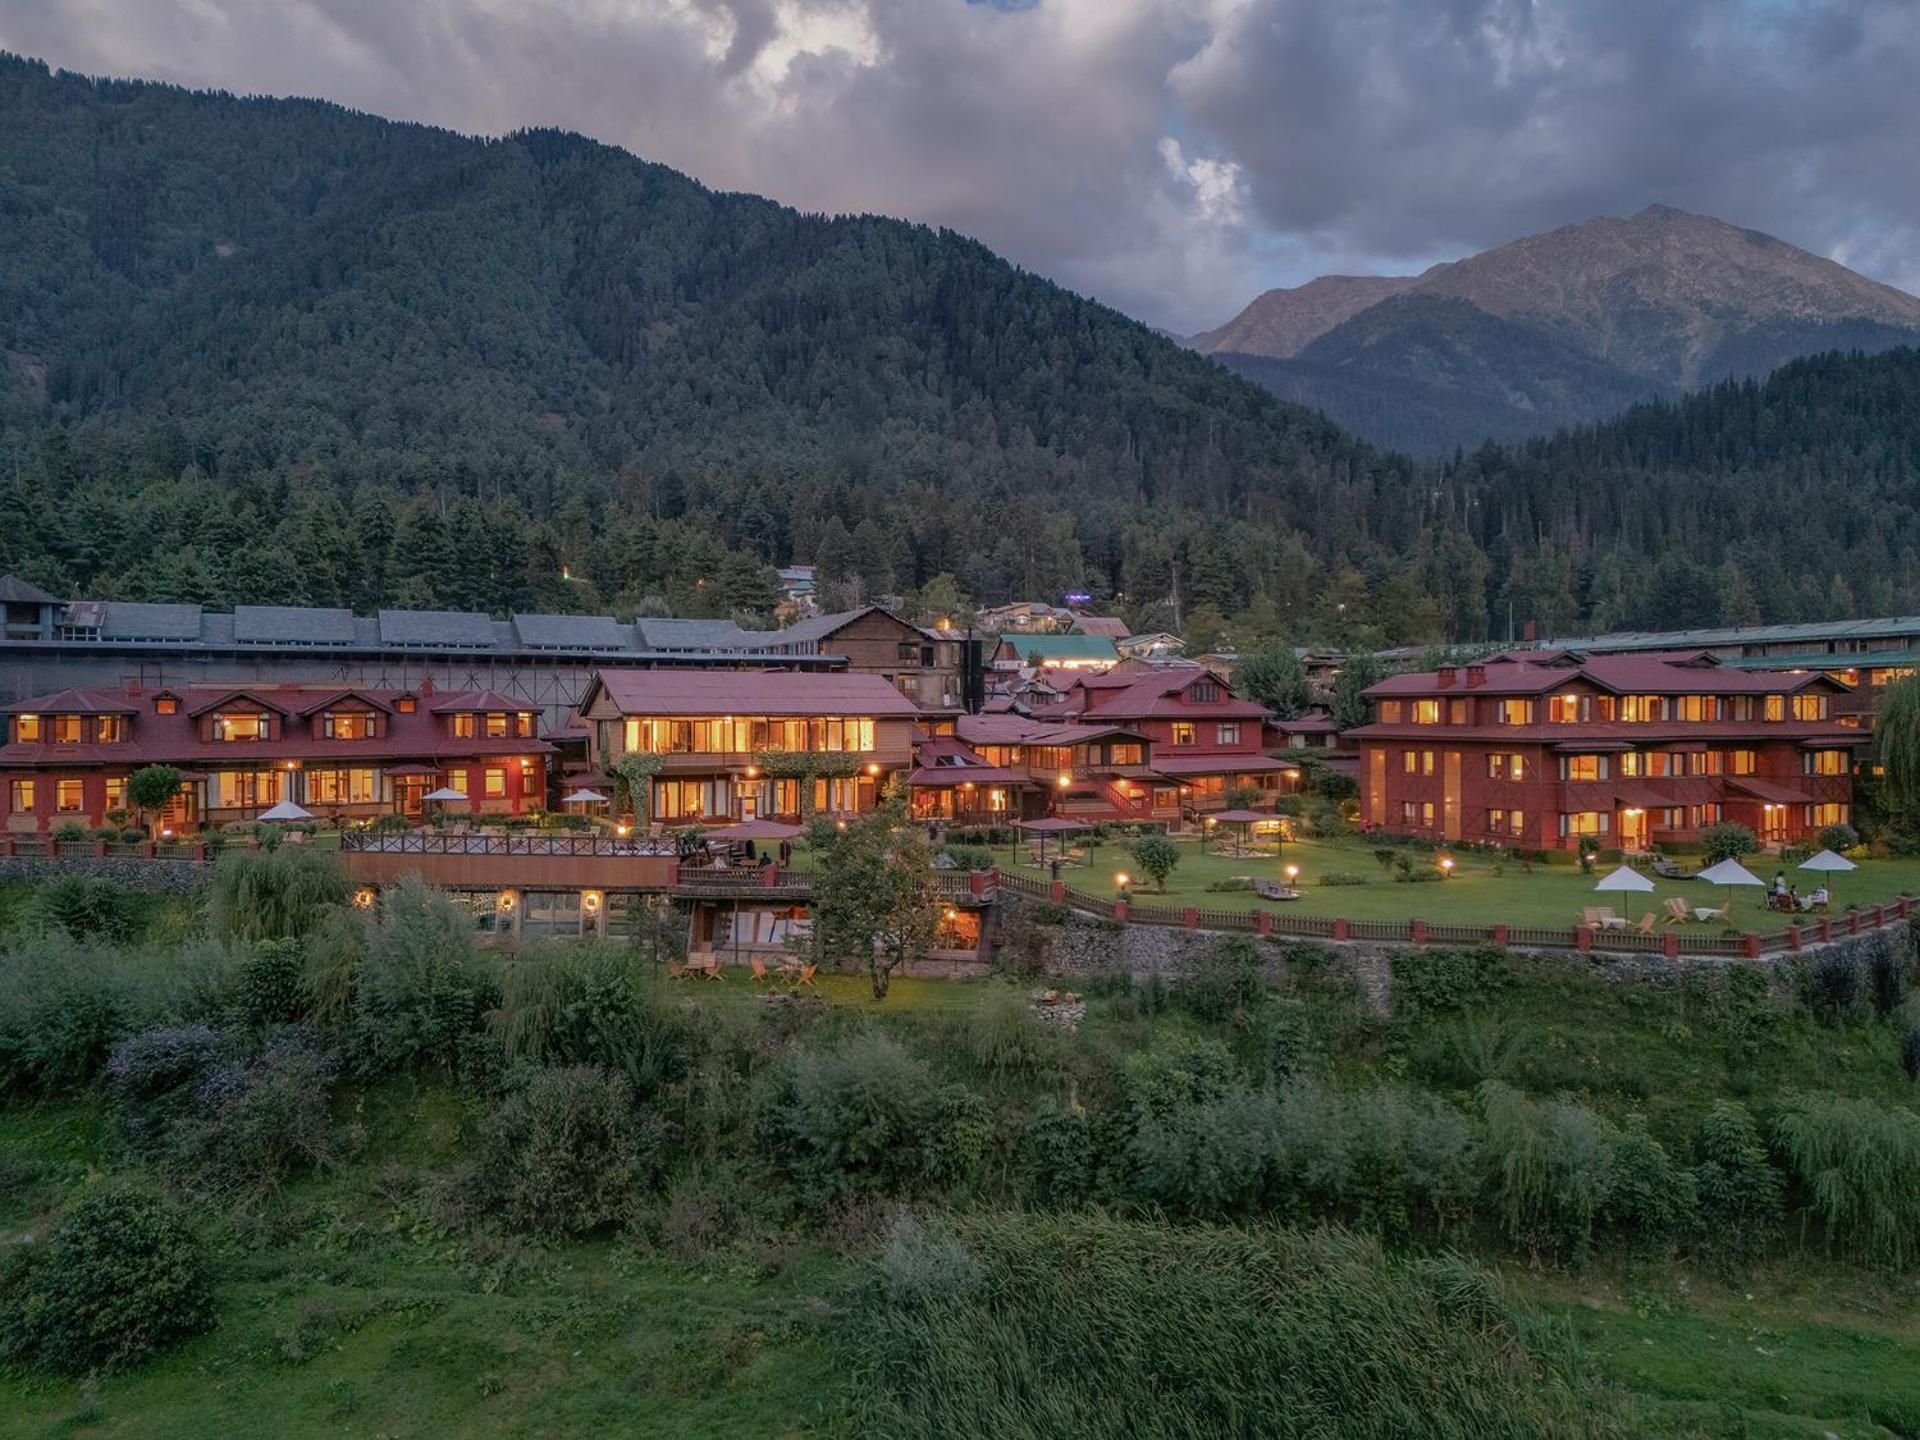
<point>1819,900</point>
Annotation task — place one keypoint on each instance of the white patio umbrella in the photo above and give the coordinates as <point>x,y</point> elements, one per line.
<point>287,810</point>
<point>1625,878</point>
<point>1730,873</point>
<point>585,797</point>
<point>1827,861</point>
<point>445,792</point>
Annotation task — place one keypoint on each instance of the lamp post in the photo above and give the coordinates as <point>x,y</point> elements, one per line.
<point>1446,867</point>
<point>1120,883</point>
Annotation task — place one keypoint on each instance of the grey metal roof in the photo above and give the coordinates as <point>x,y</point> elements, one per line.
<point>1811,632</point>
<point>573,632</point>
<point>291,625</point>
<point>663,633</point>
<point>15,591</point>
<point>436,627</point>
<point>132,620</point>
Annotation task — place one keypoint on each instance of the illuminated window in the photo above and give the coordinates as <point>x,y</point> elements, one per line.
<point>69,796</point>
<point>495,786</point>
<point>22,801</point>
<point>346,725</point>
<point>1183,732</point>
<point>1506,822</point>
<point>1825,762</point>
<point>1638,709</point>
<point>1515,712</point>
<point>167,705</point>
<point>109,729</point>
<point>1426,712</point>
<point>240,725</point>
<point>26,728</point>
<point>523,724</point>
<point>246,789</point>
<point>1697,707</point>
<point>1417,762</point>
<point>406,704</point>
<point>1583,767</point>
<point>342,787</point>
<point>116,792</point>
<point>1741,762</point>
<point>67,729</point>
<point>1832,813</point>
<point>496,725</point>
<point>1775,708</point>
<point>1565,710</point>
<point>1503,765</point>
<point>1391,712</point>
<point>1457,712</point>
<point>1417,813</point>
<point>463,728</point>
<point>1585,822</point>
<point>1808,707</point>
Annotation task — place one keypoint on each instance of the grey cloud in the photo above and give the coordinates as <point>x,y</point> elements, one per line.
<point>1169,156</point>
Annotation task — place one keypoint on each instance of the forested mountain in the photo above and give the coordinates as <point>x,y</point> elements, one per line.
<point>263,350</point>
<point>240,330</point>
<point>1556,329</point>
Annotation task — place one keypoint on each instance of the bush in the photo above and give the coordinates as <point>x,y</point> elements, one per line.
<point>1342,877</point>
<point>63,1007</point>
<point>590,1005</point>
<point>1650,1202</point>
<point>1727,841</point>
<point>153,1076</point>
<point>1856,1164</point>
<point>569,1154</point>
<point>270,986</point>
<point>1178,1071</point>
<point>1053,1165</point>
<point>850,1117</point>
<point>1833,981</point>
<point>422,987</point>
<point>1552,1167</point>
<point>1887,962</point>
<point>1156,857</point>
<point>1739,1190</point>
<point>956,1137</point>
<point>248,1126</point>
<point>120,1277</point>
<point>1839,839</point>
<point>1004,1036</point>
<point>276,894</point>
<point>84,906</point>
<point>1226,983</point>
<point>1439,982</point>
<point>69,832</point>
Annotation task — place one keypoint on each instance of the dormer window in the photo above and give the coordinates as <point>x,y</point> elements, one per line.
<point>523,724</point>
<point>109,729</point>
<point>1204,692</point>
<point>496,725</point>
<point>68,729</point>
<point>463,726</point>
<point>406,704</point>
<point>346,725</point>
<point>239,725</point>
<point>26,729</point>
<point>167,705</point>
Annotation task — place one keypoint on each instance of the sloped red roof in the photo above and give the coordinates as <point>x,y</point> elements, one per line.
<point>455,701</point>
<point>1159,695</point>
<point>1672,673</point>
<point>75,702</point>
<point>1226,763</point>
<point>751,692</point>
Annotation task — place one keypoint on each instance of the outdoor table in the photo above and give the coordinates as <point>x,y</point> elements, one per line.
<point>707,964</point>
<point>1706,912</point>
<point>1619,922</point>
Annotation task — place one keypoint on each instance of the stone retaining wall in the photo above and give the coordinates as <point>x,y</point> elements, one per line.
<point>153,877</point>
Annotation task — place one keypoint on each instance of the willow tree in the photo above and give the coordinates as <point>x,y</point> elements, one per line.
<point>1896,738</point>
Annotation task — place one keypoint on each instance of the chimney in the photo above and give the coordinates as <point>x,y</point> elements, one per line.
<point>426,686</point>
<point>133,689</point>
<point>1476,676</point>
<point>1445,676</point>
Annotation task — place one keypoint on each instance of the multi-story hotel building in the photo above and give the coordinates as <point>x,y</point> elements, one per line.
<point>342,753</point>
<point>1541,749</point>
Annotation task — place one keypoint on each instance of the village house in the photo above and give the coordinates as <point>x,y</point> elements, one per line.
<point>349,753</point>
<point>1545,749</point>
<point>738,745</point>
<point>1054,652</point>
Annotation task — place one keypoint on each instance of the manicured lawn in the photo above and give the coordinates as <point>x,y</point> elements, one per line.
<point>1483,890</point>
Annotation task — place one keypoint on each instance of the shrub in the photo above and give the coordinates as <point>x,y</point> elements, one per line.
<point>1833,981</point>
<point>1739,1191</point>
<point>270,986</point>
<point>84,906</point>
<point>1226,982</point>
<point>153,1076</point>
<point>63,1007</point>
<point>1045,912</point>
<point>120,1277</point>
<point>1727,841</point>
<point>250,1125</point>
<point>569,1154</point>
<point>1156,857</point>
<point>1437,982</point>
<point>1839,839</point>
<point>590,1005</point>
<point>1286,1040</point>
<point>849,1117</point>
<point>1856,1164</point>
<point>1004,1036</point>
<point>1650,1202</point>
<point>1053,1165</point>
<point>1342,877</point>
<point>1178,1071</point>
<point>277,894</point>
<point>69,832</point>
<point>956,1137</point>
<point>1887,964</point>
<point>422,987</point>
<point>1552,1167</point>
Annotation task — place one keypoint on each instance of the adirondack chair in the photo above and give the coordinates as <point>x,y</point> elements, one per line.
<point>1678,912</point>
<point>675,970</point>
<point>806,977</point>
<point>1647,922</point>
<point>759,971</point>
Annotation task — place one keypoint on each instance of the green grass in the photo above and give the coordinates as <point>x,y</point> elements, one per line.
<point>1483,889</point>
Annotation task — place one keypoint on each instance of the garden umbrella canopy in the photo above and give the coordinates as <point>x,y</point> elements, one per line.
<point>287,810</point>
<point>757,830</point>
<point>1827,860</point>
<point>1051,825</point>
<point>585,797</point>
<point>1242,817</point>
<point>445,792</point>
<point>1625,878</point>
<point>1729,872</point>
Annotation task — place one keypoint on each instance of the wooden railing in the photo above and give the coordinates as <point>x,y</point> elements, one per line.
<point>465,843</point>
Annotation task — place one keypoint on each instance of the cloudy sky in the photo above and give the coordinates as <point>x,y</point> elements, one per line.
<point>1172,157</point>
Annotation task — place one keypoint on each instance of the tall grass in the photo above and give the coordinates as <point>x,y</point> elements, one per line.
<point>277,894</point>
<point>1856,1165</point>
<point>1065,1327</point>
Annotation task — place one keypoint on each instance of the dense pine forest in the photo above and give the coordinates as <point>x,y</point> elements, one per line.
<point>275,350</point>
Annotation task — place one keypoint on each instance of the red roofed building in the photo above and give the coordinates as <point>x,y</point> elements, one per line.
<point>344,753</point>
<point>1539,749</point>
<point>725,736</point>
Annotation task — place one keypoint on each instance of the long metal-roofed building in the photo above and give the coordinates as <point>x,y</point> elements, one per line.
<point>1866,654</point>
<point>49,644</point>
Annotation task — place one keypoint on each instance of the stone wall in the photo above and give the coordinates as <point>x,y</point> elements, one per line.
<point>154,877</point>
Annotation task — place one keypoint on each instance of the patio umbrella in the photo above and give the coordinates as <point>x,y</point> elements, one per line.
<point>1730,873</point>
<point>1827,861</point>
<point>445,792</point>
<point>287,810</point>
<point>1625,878</point>
<point>585,797</point>
<point>758,830</point>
